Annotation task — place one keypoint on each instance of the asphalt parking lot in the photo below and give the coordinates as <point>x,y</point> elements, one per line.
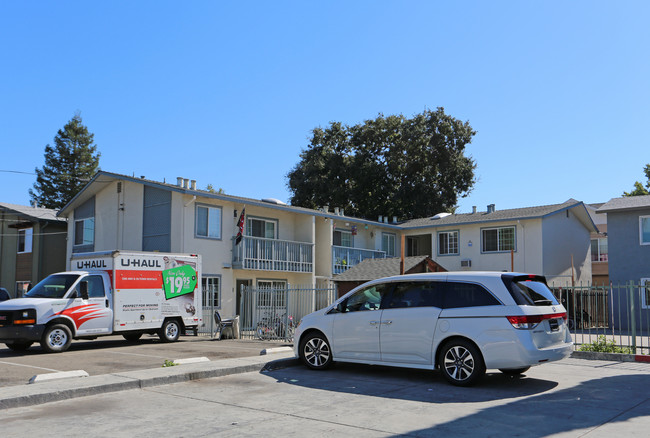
<point>113,354</point>
<point>572,398</point>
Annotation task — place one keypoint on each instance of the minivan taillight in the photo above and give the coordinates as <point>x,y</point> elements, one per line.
<point>527,322</point>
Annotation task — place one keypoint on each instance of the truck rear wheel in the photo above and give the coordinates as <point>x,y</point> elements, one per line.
<point>56,338</point>
<point>170,331</point>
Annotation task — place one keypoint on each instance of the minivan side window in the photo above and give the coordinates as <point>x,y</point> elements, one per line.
<point>467,295</point>
<point>416,294</point>
<point>369,298</point>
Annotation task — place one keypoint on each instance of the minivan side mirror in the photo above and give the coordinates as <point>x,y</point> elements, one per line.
<point>83,289</point>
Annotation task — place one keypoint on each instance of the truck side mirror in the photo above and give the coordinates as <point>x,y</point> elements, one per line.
<point>83,289</point>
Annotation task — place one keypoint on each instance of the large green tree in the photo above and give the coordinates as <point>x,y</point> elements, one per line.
<point>69,165</point>
<point>394,166</point>
<point>639,190</point>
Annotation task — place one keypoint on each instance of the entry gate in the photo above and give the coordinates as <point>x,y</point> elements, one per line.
<point>273,313</point>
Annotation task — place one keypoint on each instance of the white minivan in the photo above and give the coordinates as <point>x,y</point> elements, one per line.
<point>461,323</point>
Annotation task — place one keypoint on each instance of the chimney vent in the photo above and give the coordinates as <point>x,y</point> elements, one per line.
<point>193,184</point>
<point>186,183</point>
<point>179,181</point>
<point>491,208</point>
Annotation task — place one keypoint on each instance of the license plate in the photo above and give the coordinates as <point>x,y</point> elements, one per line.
<point>553,323</point>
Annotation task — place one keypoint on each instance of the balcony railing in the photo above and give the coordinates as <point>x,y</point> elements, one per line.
<point>343,258</point>
<point>261,254</point>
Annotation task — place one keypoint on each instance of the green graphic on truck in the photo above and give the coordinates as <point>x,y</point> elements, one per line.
<point>178,281</point>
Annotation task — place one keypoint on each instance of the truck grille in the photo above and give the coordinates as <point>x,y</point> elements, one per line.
<point>6,318</point>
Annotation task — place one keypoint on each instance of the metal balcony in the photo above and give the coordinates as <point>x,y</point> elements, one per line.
<point>260,254</point>
<point>343,258</point>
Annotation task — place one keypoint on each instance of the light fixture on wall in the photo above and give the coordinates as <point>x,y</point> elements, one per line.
<point>235,213</point>
<point>469,243</point>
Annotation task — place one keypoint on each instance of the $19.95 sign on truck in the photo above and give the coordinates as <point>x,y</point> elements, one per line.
<point>178,281</point>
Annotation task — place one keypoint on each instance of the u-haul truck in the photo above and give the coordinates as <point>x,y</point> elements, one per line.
<point>107,293</point>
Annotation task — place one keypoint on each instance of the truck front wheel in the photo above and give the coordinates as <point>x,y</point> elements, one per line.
<point>170,331</point>
<point>56,338</point>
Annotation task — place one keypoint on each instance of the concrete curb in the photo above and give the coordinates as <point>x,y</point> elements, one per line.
<point>57,390</point>
<point>616,357</point>
<point>275,350</point>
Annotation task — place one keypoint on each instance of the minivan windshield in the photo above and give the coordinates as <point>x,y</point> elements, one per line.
<point>54,286</point>
<point>529,290</point>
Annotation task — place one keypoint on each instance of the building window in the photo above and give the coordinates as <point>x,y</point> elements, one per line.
<point>448,243</point>
<point>84,231</point>
<point>271,293</point>
<point>388,244</point>
<point>645,292</point>
<point>644,230</point>
<point>263,228</point>
<point>498,239</point>
<point>22,287</point>
<point>412,246</point>
<point>211,292</point>
<point>343,238</point>
<point>208,222</point>
<point>25,237</point>
<point>599,250</point>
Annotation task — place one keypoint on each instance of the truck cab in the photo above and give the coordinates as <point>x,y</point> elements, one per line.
<point>65,305</point>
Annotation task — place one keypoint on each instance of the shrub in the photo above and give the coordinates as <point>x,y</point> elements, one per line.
<point>602,345</point>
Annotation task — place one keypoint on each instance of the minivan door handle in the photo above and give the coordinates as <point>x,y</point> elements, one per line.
<point>374,322</point>
<point>387,322</point>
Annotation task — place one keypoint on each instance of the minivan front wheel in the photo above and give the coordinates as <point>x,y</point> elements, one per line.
<point>461,363</point>
<point>315,351</point>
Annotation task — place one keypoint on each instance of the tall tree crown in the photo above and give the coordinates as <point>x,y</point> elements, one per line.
<point>639,189</point>
<point>391,166</point>
<point>69,165</point>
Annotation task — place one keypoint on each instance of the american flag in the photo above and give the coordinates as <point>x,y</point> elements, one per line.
<point>240,226</point>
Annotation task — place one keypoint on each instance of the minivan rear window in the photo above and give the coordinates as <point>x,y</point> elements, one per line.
<point>529,290</point>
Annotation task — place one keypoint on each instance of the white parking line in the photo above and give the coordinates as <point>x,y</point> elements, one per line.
<point>29,366</point>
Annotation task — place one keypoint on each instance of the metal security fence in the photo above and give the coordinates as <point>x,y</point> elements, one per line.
<point>273,313</point>
<point>210,305</point>
<point>620,313</point>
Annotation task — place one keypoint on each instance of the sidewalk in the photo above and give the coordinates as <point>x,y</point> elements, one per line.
<point>63,389</point>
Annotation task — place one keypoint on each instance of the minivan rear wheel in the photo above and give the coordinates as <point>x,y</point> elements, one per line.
<point>461,363</point>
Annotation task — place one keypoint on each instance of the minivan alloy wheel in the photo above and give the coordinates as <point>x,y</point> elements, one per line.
<point>315,352</point>
<point>461,363</point>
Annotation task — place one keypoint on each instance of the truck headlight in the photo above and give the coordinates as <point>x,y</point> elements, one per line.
<point>27,316</point>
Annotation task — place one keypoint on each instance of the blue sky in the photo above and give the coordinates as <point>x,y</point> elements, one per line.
<point>227,93</point>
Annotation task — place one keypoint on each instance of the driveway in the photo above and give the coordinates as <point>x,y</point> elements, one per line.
<point>113,354</point>
<point>573,398</point>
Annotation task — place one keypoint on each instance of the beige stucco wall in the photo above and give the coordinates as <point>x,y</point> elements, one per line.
<point>527,256</point>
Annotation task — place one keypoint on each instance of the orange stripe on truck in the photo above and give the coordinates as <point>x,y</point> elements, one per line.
<point>138,279</point>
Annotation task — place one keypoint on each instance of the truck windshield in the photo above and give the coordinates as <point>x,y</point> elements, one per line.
<point>54,286</point>
<point>529,290</point>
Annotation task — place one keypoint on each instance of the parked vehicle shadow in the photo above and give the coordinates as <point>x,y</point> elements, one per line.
<point>422,385</point>
<point>586,406</point>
